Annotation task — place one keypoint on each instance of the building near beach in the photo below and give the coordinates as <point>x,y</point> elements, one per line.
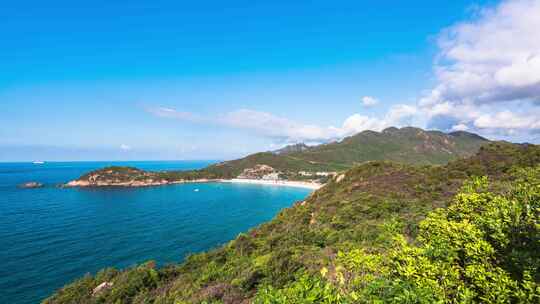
<point>271,176</point>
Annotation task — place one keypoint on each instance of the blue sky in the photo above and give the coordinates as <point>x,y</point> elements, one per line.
<point>220,79</point>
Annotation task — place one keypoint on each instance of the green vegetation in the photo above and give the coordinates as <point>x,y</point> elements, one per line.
<point>115,173</point>
<point>466,232</point>
<point>406,145</point>
<point>483,249</point>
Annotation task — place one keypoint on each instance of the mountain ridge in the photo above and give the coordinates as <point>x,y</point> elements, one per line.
<point>405,145</point>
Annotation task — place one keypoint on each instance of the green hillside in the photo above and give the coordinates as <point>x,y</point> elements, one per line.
<point>406,145</point>
<point>381,232</point>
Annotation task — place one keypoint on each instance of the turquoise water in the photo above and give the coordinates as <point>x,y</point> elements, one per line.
<point>50,236</point>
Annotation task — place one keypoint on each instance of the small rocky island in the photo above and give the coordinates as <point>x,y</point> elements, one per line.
<point>30,185</point>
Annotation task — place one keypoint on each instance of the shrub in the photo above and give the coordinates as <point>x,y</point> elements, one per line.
<point>484,248</point>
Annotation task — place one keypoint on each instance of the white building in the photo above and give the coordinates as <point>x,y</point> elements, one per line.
<point>271,176</point>
<point>325,173</point>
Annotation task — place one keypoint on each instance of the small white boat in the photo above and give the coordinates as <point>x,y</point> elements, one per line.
<point>196,190</point>
<point>38,162</point>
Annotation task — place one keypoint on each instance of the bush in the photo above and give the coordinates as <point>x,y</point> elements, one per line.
<point>484,248</point>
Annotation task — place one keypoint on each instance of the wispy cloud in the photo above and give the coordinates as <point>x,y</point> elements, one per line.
<point>277,127</point>
<point>261,123</point>
<point>172,113</point>
<point>286,130</point>
<point>125,147</point>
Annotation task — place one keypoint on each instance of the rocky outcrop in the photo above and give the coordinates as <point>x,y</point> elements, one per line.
<point>101,288</point>
<point>116,183</point>
<point>257,172</point>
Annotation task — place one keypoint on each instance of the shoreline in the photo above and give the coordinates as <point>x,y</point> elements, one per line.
<point>281,183</point>
<point>286,183</point>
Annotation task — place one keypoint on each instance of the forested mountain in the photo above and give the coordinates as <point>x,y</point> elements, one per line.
<point>406,145</point>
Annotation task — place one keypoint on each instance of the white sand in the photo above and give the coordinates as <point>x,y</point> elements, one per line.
<point>299,184</point>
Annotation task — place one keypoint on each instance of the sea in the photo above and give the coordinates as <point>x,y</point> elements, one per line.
<point>50,236</point>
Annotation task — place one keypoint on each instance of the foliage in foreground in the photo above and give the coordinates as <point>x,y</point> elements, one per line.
<point>385,232</point>
<point>484,248</point>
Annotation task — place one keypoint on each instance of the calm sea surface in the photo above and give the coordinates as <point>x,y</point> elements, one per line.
<point>50,236</point>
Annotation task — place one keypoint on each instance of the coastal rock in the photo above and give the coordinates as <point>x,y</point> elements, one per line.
<point>101,287</point>
<point>30,185</point>
<point>313,221</point>
<point>257,172</point>
<point>77,183</point>
<point>131,183</point>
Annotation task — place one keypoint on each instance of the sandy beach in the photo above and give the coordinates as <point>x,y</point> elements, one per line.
<point>299,184</point>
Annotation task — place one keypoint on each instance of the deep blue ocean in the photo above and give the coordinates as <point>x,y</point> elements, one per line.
<point>50,236</point>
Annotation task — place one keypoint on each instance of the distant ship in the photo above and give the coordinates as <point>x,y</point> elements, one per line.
<point>38,162</point>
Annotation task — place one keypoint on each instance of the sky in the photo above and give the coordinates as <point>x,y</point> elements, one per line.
<point>146,80</point>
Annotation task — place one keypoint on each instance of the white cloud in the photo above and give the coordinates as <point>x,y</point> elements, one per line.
<point>487,65</point>
<point>368,101</point>
<point>278,127</point>
<point>358,123</point>
<point>271,125</point>
<point>507,120</point>
<point>522,73</point>
<point>125,147</point>
<point>400,114</point>
<point>495,58</point>
<point>459,127</point>
<point>286,130</point>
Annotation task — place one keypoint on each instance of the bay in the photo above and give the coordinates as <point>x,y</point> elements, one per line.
<point>50,236</point>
